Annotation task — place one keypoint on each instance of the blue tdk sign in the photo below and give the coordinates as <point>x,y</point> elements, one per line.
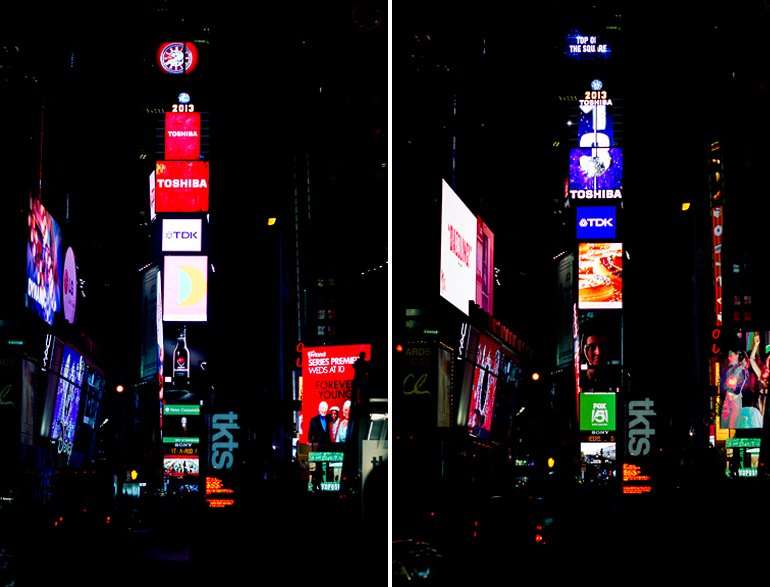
<point>596,222</point>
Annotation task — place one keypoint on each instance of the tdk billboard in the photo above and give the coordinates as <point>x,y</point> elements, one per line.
<point>596,222</point>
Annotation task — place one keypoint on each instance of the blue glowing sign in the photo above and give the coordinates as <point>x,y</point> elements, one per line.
<point>594,121</point>
<point>581,46</point>
<point>596,173</point>
<point>596,222</point>
<point>67,404</point>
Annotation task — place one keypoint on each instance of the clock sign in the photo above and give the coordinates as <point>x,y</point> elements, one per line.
<point>177,57</point>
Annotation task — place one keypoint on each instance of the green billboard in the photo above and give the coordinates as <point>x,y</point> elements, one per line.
<point>597,412</point>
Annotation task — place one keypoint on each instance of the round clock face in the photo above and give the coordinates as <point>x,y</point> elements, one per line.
<point>177,58</point>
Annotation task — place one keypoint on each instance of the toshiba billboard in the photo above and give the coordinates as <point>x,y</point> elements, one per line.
<point>181,186</point>
<point>458,250</point>
<point>327,385</point>
<point>183,136</point>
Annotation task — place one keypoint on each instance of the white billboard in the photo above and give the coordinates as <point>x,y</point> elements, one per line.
<point>458,250</point>
<point>181,234</point>
<point>185,288</point>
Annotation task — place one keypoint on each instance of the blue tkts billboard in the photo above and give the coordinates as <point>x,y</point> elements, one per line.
<point>595,222</point>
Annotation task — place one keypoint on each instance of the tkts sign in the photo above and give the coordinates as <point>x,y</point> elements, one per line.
<point>181,186</point>
<point>183,136</point>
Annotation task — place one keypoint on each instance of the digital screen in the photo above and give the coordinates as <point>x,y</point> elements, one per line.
<point>485,266</point>
<point>596,173</point>
<point>152,195</point>
<point>44,262</point>
<point>94,392</point>
<point>185,290</point>
<point>458,250</point>
<point>597,462</point>
<point>180,466</point>
<point>581,46</point>
<point>181,426</point>
<point>67,402</point>
<point>181,186</point>
<point>327,376</point>
<point>181,234</point>
<point>600,270</point>
<point>597,412</point>
<point>595,222</point>
<point>183,136</point>
<point>177,57</point>
<point>594,119</point>
<point>484,386</point>
<point>745,375</point>
<point>70,286</point>
<point>325,471</point>
<point>599,350</point>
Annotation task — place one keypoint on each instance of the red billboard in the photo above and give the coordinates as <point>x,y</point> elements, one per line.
<point>181,186</point>
<point>485,266</point>
<point>182,135</point>
<point>327,382</point>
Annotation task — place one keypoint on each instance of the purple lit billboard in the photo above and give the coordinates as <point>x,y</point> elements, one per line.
<point>44,262</point>
<point>596,173</point>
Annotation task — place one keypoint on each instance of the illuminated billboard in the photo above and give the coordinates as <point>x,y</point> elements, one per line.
<point>597,412</point>
<point>597,462</point>
<point>458,250</point>
<point>484,386</point>
<point>67,402</point>
<point>70,286</point>
<point>595,222</point>
<point>595,173</point>
<point>181,186</point>
<point>581,46</point>
<point>600,269</point>
<point>44,262</point>
<point>181,466</point>
<point>185,288</point>
<point>177,57</point>
<point>182,135</point>
<point>325,471</point>
<point>745,376</point>
<point>599,350</point>
<point>485,266</point>
<point>327,376</point>
<point>152,195</point>
<point>181,234</point>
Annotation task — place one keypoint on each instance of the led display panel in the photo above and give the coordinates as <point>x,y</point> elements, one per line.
<point>744,378</point>
<point>327,375</point>
<point>597,412</point>
<point>484,386</point>
<point>458,250</point>
<point>44,262</point>
<point>185,288</point>
<point>182,134</point>
<point>181,235</point>
<point>181,466</point>
<point>600,269</point>
<point>67,402</point>
<point>597,462</point>
<point>596,173</point>
<point>181,186</point>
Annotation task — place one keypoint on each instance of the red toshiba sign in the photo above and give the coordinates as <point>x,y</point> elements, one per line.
<point>327,383</point>
<point>183,136</point>
<point>181,186</point>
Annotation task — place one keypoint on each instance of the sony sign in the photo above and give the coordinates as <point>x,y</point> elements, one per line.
<point>223,443</point>
<point>640,430</point>
<point>181,234</point>
<point>596,222</point>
